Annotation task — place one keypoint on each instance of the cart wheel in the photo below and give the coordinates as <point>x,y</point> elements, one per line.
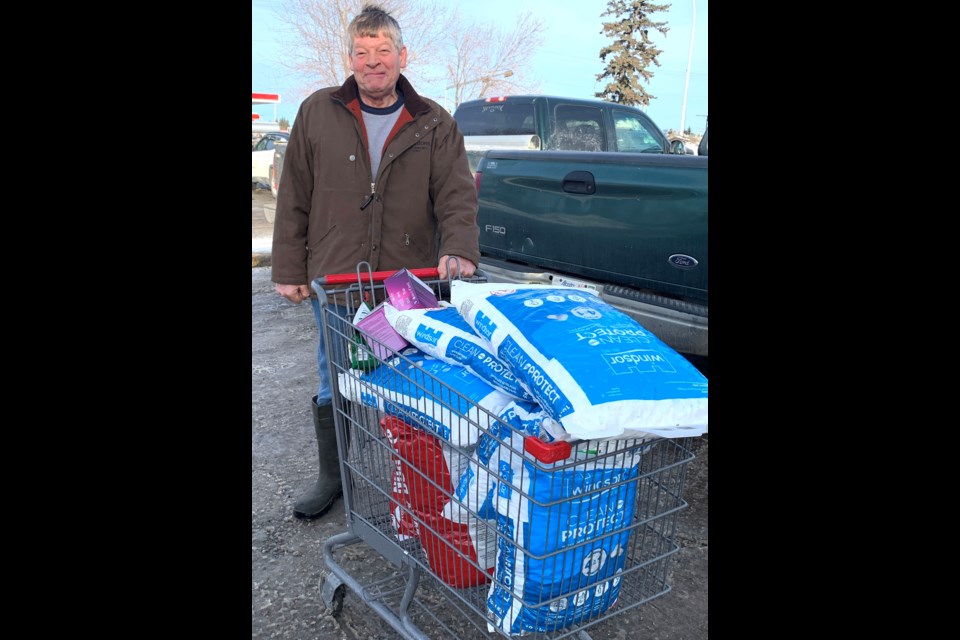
<point>332,590</point>
<point>337,604</point>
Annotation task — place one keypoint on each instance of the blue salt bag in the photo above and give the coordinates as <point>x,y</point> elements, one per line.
<point>594,369</point>
<point>444,399</point>
<point>543,581</point>
<point>472,500</point>
<point>444,334</point>
<point>474,492</point>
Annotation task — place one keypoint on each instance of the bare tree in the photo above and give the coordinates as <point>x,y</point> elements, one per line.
<point>315,43</point>
<point>485,60</point>
<point>443,51</point>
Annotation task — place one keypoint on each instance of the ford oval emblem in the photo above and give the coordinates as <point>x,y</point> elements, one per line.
<point>682,261</point>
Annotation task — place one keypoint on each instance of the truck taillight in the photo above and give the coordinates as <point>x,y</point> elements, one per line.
<point>476,179</point>
<point>497,99</point>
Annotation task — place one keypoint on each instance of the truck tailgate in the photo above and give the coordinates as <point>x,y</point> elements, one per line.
<point>630,219</point>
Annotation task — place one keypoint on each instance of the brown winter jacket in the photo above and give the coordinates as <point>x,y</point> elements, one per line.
<point>424,205</point>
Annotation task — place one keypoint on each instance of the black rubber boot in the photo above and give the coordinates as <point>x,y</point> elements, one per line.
<point>316,501</point>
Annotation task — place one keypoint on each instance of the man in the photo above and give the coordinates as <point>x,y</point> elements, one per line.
<point>373,172</point>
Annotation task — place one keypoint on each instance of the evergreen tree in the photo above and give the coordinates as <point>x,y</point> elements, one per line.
<point>284,124</point>
<point>631,52</point>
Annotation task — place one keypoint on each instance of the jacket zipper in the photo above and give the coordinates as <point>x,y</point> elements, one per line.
<point>373,194</point>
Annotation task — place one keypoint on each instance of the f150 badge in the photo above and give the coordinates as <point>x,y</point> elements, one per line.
<point>682,261</point>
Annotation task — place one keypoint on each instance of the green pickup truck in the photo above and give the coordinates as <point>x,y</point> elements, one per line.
<point>589,193</point>
<point>632,226</point>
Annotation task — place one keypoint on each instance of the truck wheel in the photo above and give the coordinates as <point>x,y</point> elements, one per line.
<point>273,184</point>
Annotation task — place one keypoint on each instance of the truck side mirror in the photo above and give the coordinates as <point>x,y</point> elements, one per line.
<point>677,146</point>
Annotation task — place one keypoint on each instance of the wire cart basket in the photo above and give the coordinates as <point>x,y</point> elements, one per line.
<point>482,530</point>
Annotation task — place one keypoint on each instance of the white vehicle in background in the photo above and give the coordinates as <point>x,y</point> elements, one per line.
<point>266,133</point>
<point>263,157</point>
<point>279,149</point>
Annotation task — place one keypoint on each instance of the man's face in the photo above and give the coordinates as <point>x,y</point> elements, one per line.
<point>376,64</point>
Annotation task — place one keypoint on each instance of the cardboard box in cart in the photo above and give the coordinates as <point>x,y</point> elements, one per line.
<point>404,291</point>
<point>386,341</point>
<point>407,291</point>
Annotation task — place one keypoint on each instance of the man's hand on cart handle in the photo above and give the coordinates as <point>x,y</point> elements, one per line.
<point>294,292</point>
<point>467,268</point>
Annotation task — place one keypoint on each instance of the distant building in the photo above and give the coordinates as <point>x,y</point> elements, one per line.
<point>265,126</point>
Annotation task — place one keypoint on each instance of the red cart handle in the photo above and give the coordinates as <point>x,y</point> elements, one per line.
<point>377,276</point>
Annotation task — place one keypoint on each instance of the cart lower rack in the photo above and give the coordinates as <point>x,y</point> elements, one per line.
<point>483,523</point>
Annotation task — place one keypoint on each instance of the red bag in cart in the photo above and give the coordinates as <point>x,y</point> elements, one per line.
<point>403,521</point>
<point>450,552</point>
<point>427,464</point>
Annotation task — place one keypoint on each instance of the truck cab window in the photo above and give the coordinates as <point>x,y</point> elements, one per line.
<point>633,134</point>
<point>496,119</point>
<point>580,128</point>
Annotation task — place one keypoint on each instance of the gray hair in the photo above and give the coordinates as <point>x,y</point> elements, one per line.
<point>371,22</point>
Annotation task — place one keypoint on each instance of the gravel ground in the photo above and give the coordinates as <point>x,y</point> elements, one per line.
<point>287,558</point>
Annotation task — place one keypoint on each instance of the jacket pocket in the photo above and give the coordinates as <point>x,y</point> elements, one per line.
<point>314,243</point>
<point>424,253</point>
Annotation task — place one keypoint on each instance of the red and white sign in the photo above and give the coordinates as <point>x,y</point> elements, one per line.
<point>266,98</point>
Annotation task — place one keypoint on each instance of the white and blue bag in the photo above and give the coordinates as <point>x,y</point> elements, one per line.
<point>473,496</point>
<point>441,398</point>
<point>594,369</point>
<point>444,334</point>
<point>474,490</point>
<point>543,581</point>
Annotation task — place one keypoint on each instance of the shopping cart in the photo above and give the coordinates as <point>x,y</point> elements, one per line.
<point>587,527</point>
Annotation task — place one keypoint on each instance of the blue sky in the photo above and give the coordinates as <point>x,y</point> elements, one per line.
<point>565,65</point>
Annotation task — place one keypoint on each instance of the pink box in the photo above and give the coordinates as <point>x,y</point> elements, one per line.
<point>407,291</point>
<point>376,325</point>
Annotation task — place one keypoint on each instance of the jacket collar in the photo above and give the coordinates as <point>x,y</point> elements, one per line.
<point>349,92</point>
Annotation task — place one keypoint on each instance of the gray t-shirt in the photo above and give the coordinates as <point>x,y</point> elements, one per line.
<point>379,122</point>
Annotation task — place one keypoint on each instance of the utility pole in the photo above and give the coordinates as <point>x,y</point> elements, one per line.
<point>686,83</point>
